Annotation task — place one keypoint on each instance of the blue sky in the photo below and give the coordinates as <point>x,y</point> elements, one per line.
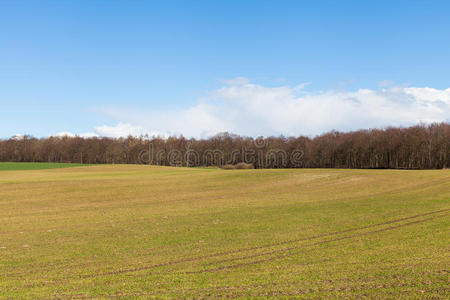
<point>199,67</point>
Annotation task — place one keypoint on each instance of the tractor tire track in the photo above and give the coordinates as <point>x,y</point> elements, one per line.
<point>224,253</point>
<point>298,248</point>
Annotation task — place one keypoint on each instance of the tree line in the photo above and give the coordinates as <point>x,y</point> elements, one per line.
<point>416,147</point>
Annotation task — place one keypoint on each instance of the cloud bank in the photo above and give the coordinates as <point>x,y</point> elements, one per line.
<point>251,109</point>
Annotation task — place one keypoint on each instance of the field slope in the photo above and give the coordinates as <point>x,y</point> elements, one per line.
<point>142,232</point>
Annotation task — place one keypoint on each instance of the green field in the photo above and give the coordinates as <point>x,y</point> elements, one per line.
<point>8,166</point>
<point>142,232</point>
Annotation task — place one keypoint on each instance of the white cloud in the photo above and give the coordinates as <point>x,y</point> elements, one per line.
<point>251,109</point>
<point>429,94</point>
<point>301,86</point>
<point>64,134</point>
<point>17,137</point>
<point>89,134</point>
<point>120,130</point>
<point>70,134</point>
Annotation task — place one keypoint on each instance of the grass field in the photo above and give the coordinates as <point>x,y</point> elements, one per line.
<point>142,232</point>
<point>9,166</point>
